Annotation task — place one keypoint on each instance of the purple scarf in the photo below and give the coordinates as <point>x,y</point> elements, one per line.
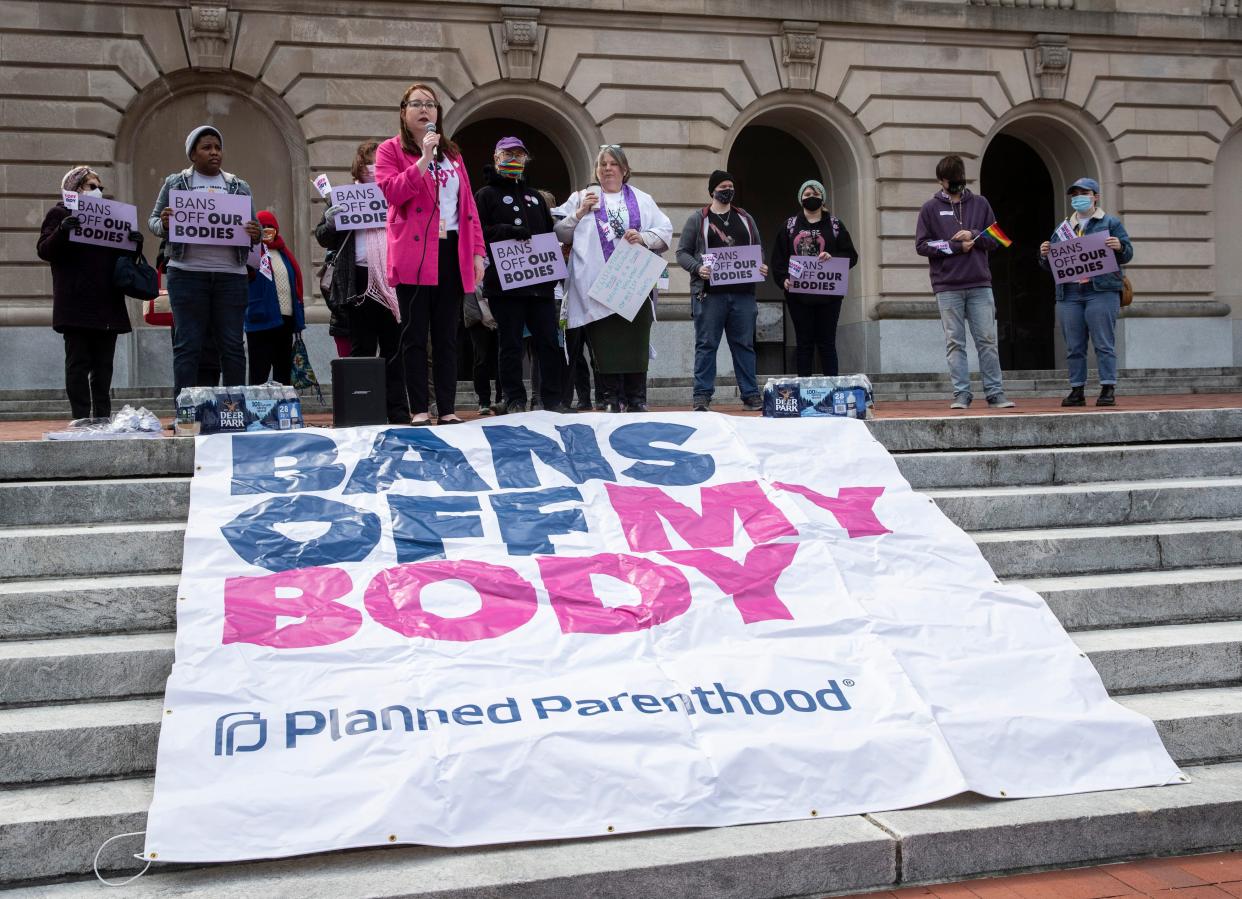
<point>601,219</point>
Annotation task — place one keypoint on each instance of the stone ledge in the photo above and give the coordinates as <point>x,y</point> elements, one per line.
<point>1175,309</point>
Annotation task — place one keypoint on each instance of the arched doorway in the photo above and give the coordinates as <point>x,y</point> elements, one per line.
<point>1029,160</point>
<point>772,153</point>
<point>1018,185</point>
<point>1227,213</point>
<point>548,169</point>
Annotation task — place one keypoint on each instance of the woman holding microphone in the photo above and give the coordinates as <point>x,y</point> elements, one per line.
<point>435,246</point>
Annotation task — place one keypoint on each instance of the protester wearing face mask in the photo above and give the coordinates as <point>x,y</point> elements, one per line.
<point>720,309</point>
<point>950,233</point>
<point>207,285</point>
<point>1089,308</point>
<point>361,298</point>
<point>510,209</point>
<point>88,311</point>
<point>275,311</point>
<point>813,231</point>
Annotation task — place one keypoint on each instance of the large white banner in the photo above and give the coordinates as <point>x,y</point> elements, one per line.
<point>547,626</point>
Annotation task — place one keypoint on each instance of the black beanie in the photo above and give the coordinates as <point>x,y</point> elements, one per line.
<point>716,178</point>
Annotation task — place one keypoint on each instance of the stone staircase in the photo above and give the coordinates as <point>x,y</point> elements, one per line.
<point>1128,523</point>
<point>48,404</point>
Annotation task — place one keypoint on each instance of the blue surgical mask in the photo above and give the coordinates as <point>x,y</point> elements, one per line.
<point>1082,202</point>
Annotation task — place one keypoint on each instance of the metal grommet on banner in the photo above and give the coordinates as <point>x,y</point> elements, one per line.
<point>167,711</point>
<point>392,838</point>
<point>611,829</point>
<point>814,813</point>
<point>1003,793</point>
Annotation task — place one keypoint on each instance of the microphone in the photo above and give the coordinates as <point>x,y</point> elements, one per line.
<point>435,153</point>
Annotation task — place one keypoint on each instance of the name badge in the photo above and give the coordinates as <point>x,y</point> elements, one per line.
<point>443,229</point>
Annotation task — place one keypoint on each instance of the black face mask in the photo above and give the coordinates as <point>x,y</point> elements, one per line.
<point>956,187</point>
<point>724,196</point>
<point>810,204</point>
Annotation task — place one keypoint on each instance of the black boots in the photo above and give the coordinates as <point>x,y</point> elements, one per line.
<point>1106,397</point>
<point>1075,398</point>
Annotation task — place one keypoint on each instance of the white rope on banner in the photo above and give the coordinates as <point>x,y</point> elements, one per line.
<point>99,852</point>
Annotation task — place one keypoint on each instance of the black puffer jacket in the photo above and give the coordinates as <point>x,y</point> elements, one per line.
<point>82,292</point>
<point>342,244</point>
<point>501,221</point>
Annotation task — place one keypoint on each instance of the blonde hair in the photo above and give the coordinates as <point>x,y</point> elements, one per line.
<point>618,156</point>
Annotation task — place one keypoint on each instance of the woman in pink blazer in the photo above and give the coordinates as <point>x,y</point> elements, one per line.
<point>435,246</point>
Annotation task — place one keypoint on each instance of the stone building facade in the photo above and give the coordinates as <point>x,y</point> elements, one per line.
<point>1145,95</point>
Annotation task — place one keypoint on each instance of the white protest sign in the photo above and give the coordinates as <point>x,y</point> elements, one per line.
<point>808,274</point>
<point>522,262</point>
<point>208,217</point>
<point>527,629</point>
<point>322,184</point>
<point>70,199</point>
<point>736,265</point>
<point>362,207</point>
<point>104,223</point>
<point>1081,258</point>
<point>625,282</point>
<point>265,266</point>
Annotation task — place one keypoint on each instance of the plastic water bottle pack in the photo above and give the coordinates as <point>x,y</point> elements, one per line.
<point>845,396</point>
<point>259,407</point>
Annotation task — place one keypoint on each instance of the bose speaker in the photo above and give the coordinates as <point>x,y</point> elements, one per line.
<point>358,392</point>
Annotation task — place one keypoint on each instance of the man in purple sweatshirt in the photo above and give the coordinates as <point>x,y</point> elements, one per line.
<point>949,234</point>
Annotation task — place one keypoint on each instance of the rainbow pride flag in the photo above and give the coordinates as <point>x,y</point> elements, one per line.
<point>994,231</point>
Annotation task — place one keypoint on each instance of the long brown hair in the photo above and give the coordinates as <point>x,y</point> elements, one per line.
<point>447,147</point>
<point>365,149</point>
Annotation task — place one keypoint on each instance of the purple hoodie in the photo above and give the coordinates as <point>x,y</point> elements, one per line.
<point>951,269</point>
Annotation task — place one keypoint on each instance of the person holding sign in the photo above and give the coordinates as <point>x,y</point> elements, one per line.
<point>1089,306</point>
<point>952,233</point>
<point>88,310</point>
<point>520,282</point>
<point>423,177</point>
<point>208,287</point>
<point>812,232</point>
<point>598,220</point>
<point>360,295</point>
<point>721,249</point>
<point>276,310</point>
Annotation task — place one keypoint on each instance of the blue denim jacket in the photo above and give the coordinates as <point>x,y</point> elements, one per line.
<point>181,181</point>
<point>1102,221</point>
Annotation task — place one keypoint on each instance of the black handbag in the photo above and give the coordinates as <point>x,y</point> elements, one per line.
<point>135,277</point>
<point>326,273</point>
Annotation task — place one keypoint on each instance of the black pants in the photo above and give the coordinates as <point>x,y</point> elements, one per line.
<point>815,327</point>
<point>537,315</point>
<point>372,328</point>
<point>628,390</point>
<point>271,350</point>
<point>577,374</point>
<point>486,367</point>
<point>435,310</point>
<point>88,371</point>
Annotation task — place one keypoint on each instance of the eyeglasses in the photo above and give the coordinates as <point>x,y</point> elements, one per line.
<point>610,146</point>
<point>418,104</point>
<point>91,185</point>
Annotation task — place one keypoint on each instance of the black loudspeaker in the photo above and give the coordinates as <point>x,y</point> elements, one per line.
<point>358,392</point>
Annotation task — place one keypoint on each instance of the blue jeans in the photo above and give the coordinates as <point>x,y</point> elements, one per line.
<point>207,303</point>
<point>1086,312</point>
<point>733,315</point>
<point>976,306</point>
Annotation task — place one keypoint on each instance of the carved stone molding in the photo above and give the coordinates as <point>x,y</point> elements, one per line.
<point>210,32</point>
<point>1025,4</point>
<point>520,40</point>
<point>799,54</point>
<point>1230,9</point>
<point>1049,62</point>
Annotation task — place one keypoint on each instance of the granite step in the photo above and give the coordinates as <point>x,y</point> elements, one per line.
<point>118,739</point>
<point>1051,552</point>
<point>1137,598</point>
<point>1091,504</point>
<point>70,669</point>
<point>53,831</point>
<point>1070,465</point>
<point>139,547</point>
<point>33,503</point>
<point>94,605</point>
<point>1165,657</point>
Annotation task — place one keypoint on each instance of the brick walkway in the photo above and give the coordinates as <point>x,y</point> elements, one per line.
<point>1191,877</point>
<point>34,430</point>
